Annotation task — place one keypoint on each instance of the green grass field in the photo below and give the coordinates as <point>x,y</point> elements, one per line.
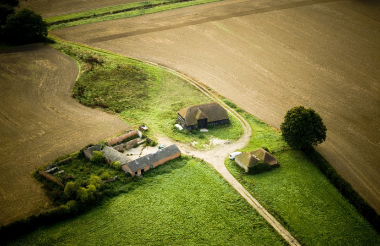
<point>119,12</point>
<point>301,197</point>
<point>141,94</point>
<point>184,202</point>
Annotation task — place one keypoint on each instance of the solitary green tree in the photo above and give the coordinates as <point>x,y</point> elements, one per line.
<point>303,128</point>
<point>25,27</point>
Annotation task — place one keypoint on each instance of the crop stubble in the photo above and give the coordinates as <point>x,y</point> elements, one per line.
<point>39,122</point>
<point>269,56</point>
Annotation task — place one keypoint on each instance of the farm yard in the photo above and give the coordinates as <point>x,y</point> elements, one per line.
<point>264,56</point>
<point>268,57</point>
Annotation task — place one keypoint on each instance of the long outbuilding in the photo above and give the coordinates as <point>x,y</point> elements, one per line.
<point>139,166</point>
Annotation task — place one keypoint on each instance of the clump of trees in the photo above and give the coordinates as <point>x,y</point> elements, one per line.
<point>21,27</point>
<point>302,128</point>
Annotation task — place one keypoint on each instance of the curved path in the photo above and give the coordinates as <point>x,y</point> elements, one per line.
<point>39,122</point>
<point>217,156</point>
<point>269,56</point>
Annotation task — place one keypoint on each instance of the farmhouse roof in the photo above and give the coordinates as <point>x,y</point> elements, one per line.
<point>247,159</point>
<point>153,157</point>
<point>212,111</point>
<point>264,156</point>
<point>114,155</point>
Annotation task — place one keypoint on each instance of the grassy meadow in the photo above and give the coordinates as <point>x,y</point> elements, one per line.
<point>184,202</point>
<point>300,196</point>
<point>141,94</point>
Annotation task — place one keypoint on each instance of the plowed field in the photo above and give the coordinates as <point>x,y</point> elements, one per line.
<point>39,122</point>
<point>269,56</point>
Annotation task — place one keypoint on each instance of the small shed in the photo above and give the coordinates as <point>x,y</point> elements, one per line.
<point>139,166</point>
<point>248,159</point>
<point>202,116</point>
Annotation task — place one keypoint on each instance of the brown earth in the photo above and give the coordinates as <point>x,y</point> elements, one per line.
<point>269,56</point>
<point>49,8</point>
<point>39,122</point>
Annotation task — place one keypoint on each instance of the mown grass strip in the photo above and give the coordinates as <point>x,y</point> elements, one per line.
<point>119,12</point>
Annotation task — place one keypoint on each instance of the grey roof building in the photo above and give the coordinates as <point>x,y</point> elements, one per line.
<point>139,166</point>
<point>113,155</point>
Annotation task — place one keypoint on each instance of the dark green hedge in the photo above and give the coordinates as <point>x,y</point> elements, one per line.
<point>345,188</point>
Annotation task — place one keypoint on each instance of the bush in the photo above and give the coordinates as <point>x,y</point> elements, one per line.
<point>230,104</point>
<point>95,181</point>
<point>105,176</point>
<point>25,27</point>
<point>115,165</point>
<point>97,157</point>
<point>71,189</point>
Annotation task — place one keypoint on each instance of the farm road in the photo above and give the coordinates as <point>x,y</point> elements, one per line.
<point>39,122</point>
<point>219,153</point>
<point>269,56</point>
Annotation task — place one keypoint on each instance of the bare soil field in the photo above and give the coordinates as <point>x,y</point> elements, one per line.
<point>39,122</point>
<point>49,8</point>
<point>269,56</point>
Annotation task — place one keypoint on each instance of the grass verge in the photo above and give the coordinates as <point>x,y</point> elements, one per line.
<point>184,202</point>
<point>141,94</point>
<point>120,12</point>
<point>300,196</point>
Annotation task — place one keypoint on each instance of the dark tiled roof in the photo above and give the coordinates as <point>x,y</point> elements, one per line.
<point>211,111</point>
<point>153,157</point>
<point>114,155</point>
<point>264,156</point>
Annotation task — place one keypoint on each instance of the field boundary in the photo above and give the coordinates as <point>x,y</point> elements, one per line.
<point>120,12</point>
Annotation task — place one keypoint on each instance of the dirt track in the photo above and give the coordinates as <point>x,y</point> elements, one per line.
<point>39,121</point>
<point>269,56</point>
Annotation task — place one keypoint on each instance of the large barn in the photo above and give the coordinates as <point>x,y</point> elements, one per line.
<point>202,116</point>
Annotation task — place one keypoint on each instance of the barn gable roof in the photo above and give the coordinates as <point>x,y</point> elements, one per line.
<point>264,156</point>
<point>247,159</point>
<point>250,158</point>
<point>153,157</point>
<point>210,111</point>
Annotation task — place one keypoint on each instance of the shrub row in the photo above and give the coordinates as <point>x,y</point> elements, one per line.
<point>344,188</point>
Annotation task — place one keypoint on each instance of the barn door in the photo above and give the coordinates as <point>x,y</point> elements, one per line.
<point>202,123</point>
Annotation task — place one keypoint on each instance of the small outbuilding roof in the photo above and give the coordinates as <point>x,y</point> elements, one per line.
<point>212,111</point>
<point>250,158</point>
<point>264,156</point>
<point>114,155</point>
<point>153,157</point>
<point>247,159</point>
